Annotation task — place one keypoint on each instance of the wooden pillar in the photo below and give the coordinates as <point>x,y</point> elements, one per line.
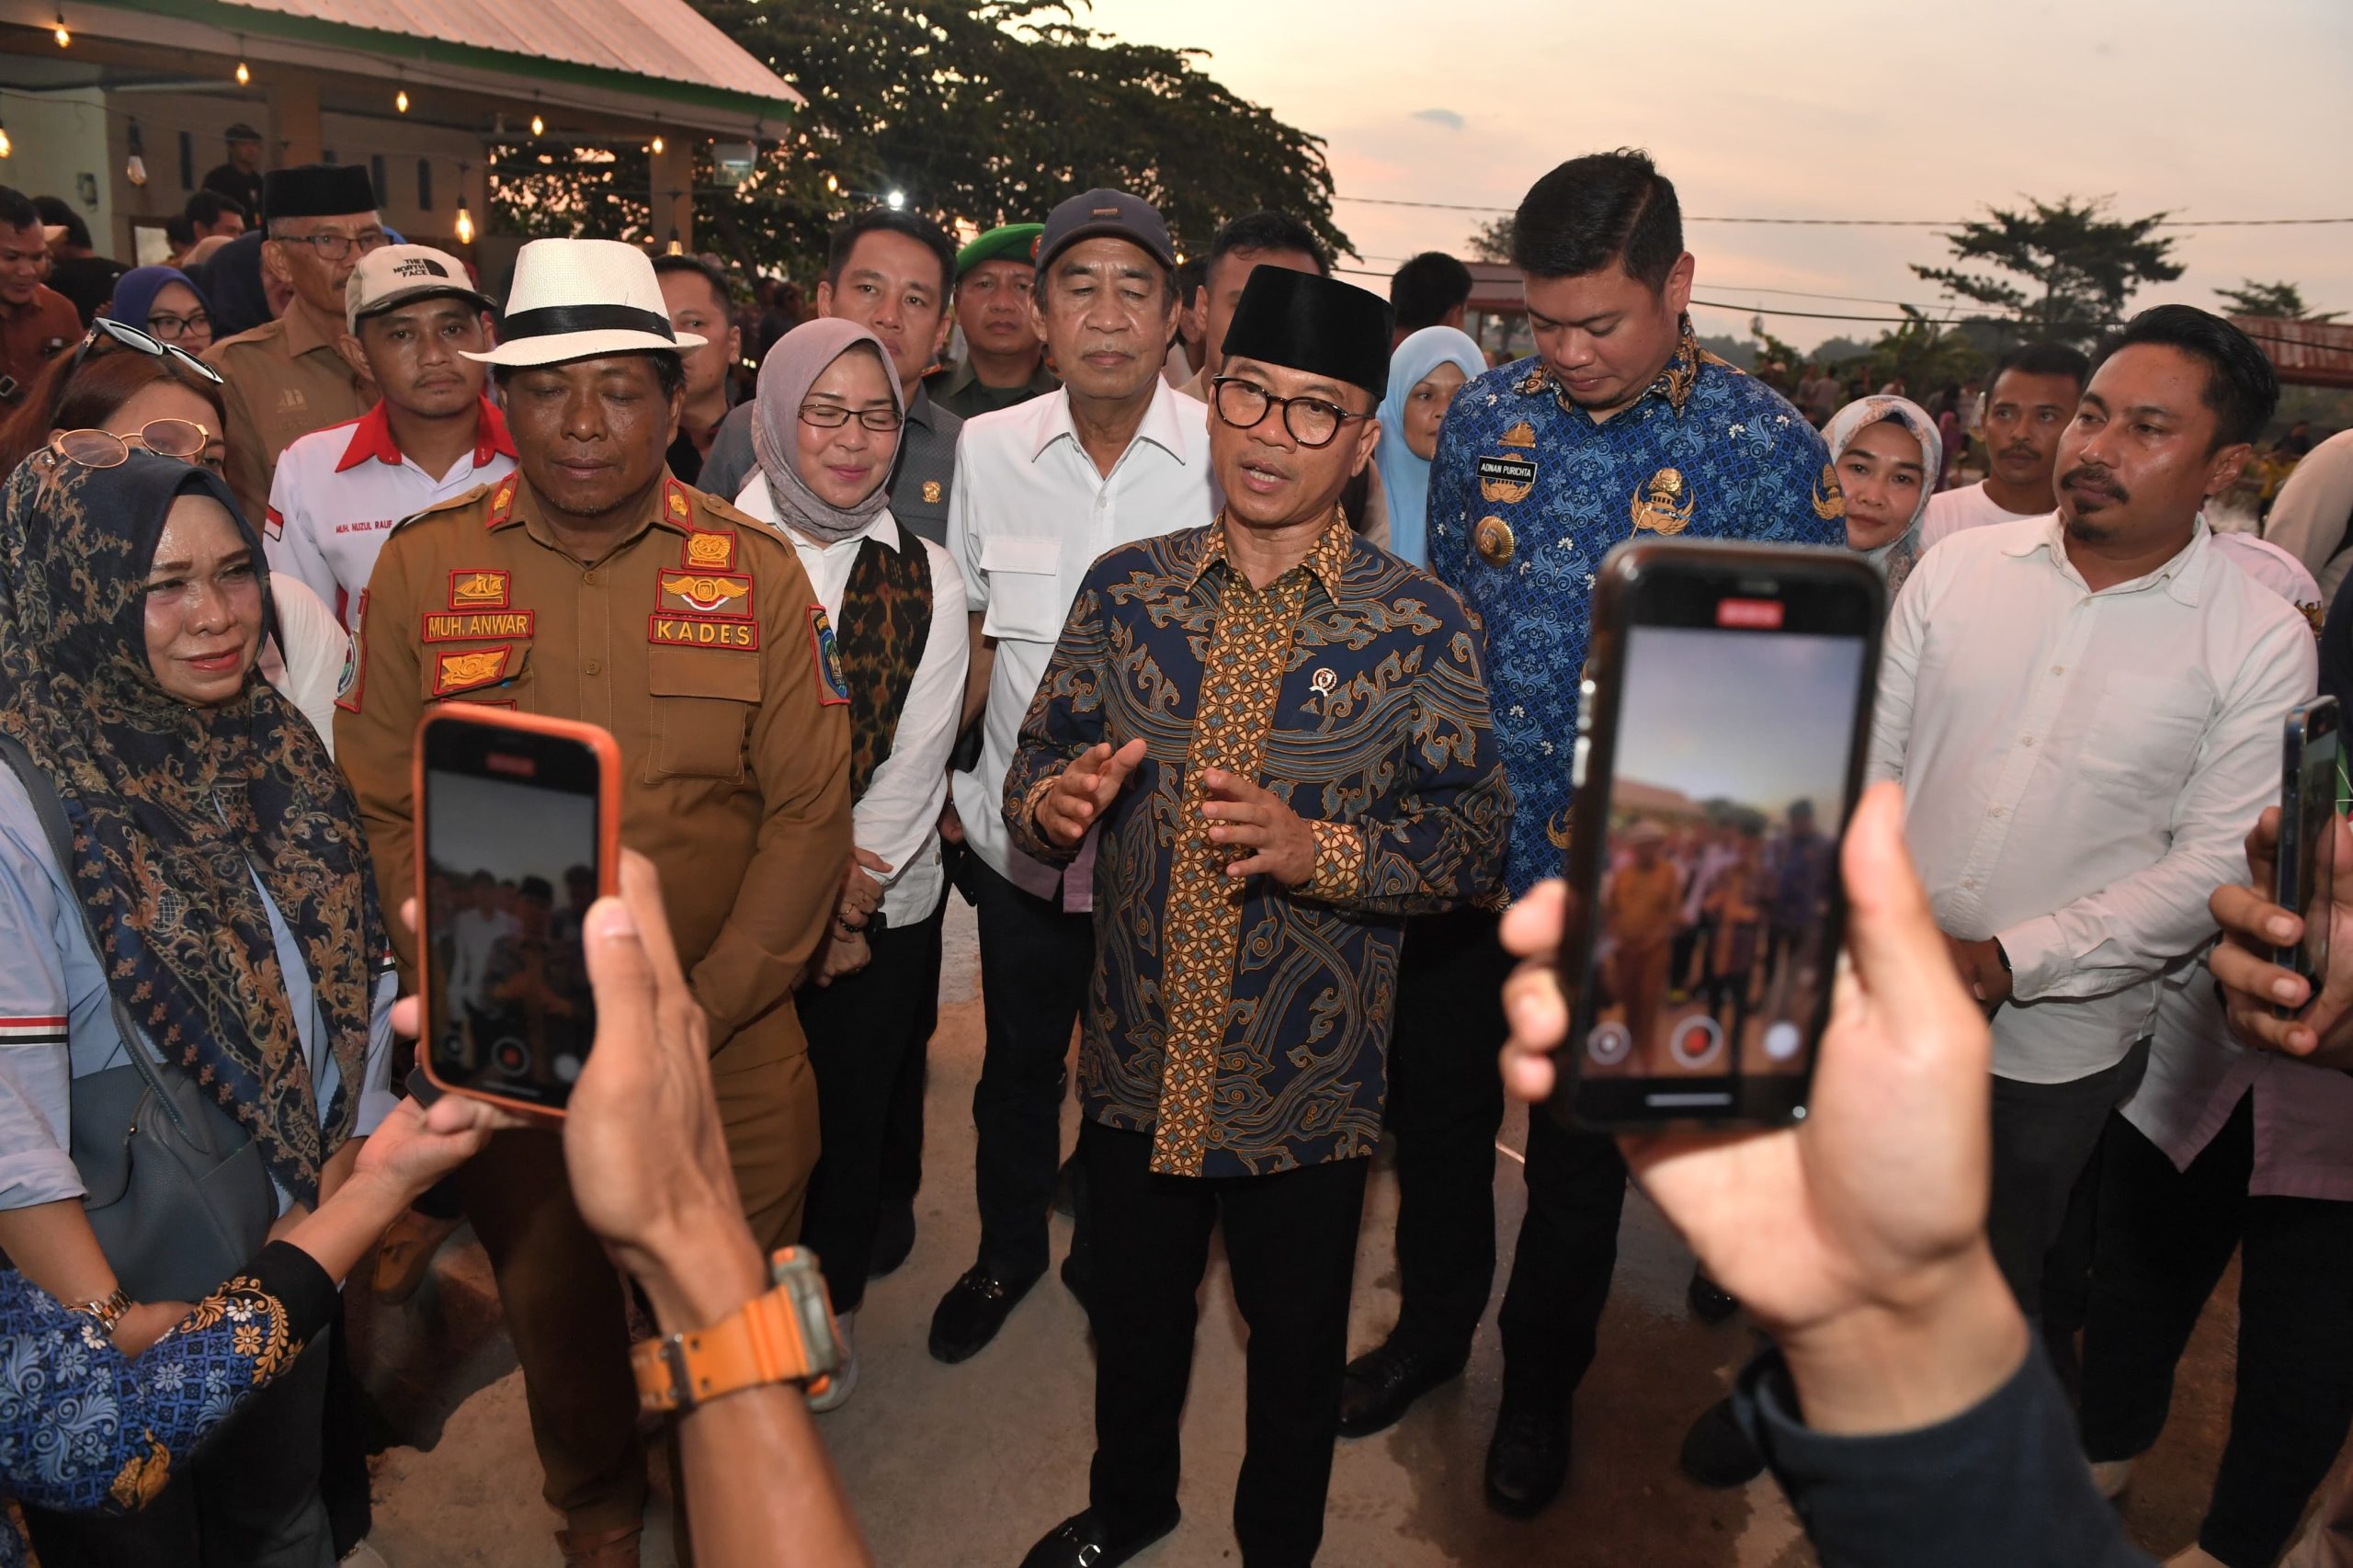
<point>294,111</point>
<point>673,199</point>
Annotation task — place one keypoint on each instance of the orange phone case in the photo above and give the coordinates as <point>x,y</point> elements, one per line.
<point>608,855</point>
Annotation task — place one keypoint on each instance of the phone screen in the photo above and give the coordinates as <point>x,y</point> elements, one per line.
<point>2306,855</point>
<point>511,867</point>
<point>1713,925</point>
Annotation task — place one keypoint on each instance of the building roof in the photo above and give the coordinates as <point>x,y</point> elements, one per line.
<point>666,38</point>
<point>2306,353</point>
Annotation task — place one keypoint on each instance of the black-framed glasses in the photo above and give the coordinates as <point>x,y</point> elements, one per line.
<point>169,328</point>
<point>335,247</point>
<point>833,417</point>
<point>1311,421</point>
<point>107,329</point>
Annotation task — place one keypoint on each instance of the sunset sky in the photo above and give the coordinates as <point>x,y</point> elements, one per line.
<point>1818,108</point>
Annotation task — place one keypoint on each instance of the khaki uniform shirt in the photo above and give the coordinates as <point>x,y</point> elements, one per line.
<point>281,380</point>
<point>696,642</point>
<point>30,334</point>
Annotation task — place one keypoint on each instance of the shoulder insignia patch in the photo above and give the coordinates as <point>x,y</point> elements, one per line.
<point>502,503</point>
<point>725,594</point>
<point>832,690</point>
<point>478,589</point>
<point>473,667</point>
<point>348,686</point>
<point>676,504</point>
<point>708,550</point>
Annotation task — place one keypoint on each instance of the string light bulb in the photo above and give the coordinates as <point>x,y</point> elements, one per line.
<point>400,100</point>
<point>7,146</point>
<point>895,200</point>
<point>244,74</point>
<point>657,146</point>
<point>465,223</point>
<point>677,246</point>
<point>538,125</point>
<point>59,33</point>
<point>134,168</point>
<point>833,186</point>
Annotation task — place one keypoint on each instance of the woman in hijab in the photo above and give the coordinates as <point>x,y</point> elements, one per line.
<point>1425,373</point>
<point>830,409</point>
<point>1887,454</point>
<point>216,847</point>
<point>165,303</point>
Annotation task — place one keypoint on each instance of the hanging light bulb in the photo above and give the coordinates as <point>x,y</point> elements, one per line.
<point>895,200</point>
<point>538,125</point>
<point>657,146</point>
<point>7,146</point>
<point>60,34</point>
<point>677,246</point>
<point>400,100</point>
<point>134,168</point>
<point>465,223</point>
<point>244,74</point>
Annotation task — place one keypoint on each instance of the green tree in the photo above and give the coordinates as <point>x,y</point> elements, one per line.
<point>2282,302</point>
<point>1491,241</point>
<point>2070,267</point>
<point>1925,355</point>
<point>984,112</point>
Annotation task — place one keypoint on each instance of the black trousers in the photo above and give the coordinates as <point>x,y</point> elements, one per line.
<point>1445,1103</point>
<point>861,1030</point>
<point>1567,1251</point>
<point>1035,963</point>
<point>248,1498</point>
<point>2043,1137</point>
<point>2164,1238</point>
<point>1291,1243</point>
<point>902,1131</point>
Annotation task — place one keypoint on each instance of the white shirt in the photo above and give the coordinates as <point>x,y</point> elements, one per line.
<point>339,492</point>
<point>2080,768</point>
<point>898,817</point>
<point>2275,570</point>
<point>317,654</point>
<point>1028,515</point>
<point>1950,511</point>
<point>2311,514</point>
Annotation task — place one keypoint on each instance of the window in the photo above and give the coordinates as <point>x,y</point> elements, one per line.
<point>425,185</point>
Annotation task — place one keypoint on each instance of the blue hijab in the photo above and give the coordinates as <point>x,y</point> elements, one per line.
<point>1405,477</point>
<point>135,291</point>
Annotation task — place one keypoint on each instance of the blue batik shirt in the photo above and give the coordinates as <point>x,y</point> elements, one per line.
<point>1528,493</point>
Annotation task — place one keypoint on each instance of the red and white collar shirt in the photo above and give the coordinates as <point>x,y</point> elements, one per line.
<point>339,492</point>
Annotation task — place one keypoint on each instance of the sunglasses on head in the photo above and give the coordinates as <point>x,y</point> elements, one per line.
<point>109,331</point>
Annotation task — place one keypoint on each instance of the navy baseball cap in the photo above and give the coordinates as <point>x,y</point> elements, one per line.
<point>1112,214</point>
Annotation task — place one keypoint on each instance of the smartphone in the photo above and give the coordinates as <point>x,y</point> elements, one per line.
<point>2308,800</point>
<point>517,833</point>
<point>1721,733</point>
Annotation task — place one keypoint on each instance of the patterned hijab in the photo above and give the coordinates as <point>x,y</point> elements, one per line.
<point>177,809</point>
<point>792,367</point>
<point>1894,558</point>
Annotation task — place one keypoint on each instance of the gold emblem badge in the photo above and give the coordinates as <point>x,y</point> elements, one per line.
<point>708,594</point>
<point>674,497</point>
<point>710,551</point>
<point>1664,507</point>
<point>1522,435</point>
<point>1492,539</point>
<point>1829,500</point>
<point>463,671</point>
<point>478,590</point>
<point>931,491</point>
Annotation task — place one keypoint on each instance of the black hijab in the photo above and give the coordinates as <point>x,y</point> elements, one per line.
<point>177,808</point>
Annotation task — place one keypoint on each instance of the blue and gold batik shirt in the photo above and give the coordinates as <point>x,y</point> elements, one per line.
<point>1528,493</point>
<point>1244,1024</point>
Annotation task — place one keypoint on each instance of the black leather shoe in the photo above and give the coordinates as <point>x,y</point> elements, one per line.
<point>1717,1453</point>
<point>1383,1385</point>
<point>970,1315</point>
<point>1081,1542</point>
<point>1528,1461</point>
<point>1711,1303</point>
<point>895,1238</point>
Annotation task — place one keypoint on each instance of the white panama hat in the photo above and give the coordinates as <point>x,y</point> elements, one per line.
<point>573,298</point>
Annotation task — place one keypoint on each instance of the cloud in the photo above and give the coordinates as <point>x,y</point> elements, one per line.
<point>1445,117</point>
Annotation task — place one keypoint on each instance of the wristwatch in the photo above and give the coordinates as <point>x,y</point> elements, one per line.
<point>107,1310</point>
<point>784,1337</point>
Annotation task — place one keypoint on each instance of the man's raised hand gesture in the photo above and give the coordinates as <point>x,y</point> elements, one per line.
<point>1081,793</point>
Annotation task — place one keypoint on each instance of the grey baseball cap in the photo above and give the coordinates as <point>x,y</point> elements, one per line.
<point>1112,214</point>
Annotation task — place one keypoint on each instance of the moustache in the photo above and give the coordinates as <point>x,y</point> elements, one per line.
<point>2098,481</point>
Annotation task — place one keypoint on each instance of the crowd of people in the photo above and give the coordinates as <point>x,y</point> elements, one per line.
<point>1216,629</point>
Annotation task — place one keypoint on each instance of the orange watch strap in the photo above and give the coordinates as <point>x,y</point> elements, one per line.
<point>767,1340</point>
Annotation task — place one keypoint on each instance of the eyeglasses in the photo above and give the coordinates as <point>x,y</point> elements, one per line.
<point>170,328</point>
<point>1310,421</point>
<point>109,331</point>
<point>335,247</point>
<point>833,417</point>
<point>184,439</point>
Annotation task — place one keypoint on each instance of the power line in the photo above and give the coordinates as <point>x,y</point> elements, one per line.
<point>1851,223</point>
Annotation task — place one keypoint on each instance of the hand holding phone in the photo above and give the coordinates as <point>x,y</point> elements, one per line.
<point>1720,748</point>
<point>517,833</point>
<point>2308,803</point>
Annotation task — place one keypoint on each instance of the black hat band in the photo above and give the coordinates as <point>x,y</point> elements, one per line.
<point>549,320</point>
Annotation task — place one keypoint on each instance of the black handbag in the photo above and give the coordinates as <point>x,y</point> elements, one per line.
<point>175,1189</point>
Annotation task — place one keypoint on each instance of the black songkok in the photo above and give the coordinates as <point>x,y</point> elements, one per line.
<point>1304,322</point>
<point>317,191</point>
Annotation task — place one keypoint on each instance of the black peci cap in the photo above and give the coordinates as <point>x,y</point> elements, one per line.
<point>1321,325</point>
<point>317,191</point>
